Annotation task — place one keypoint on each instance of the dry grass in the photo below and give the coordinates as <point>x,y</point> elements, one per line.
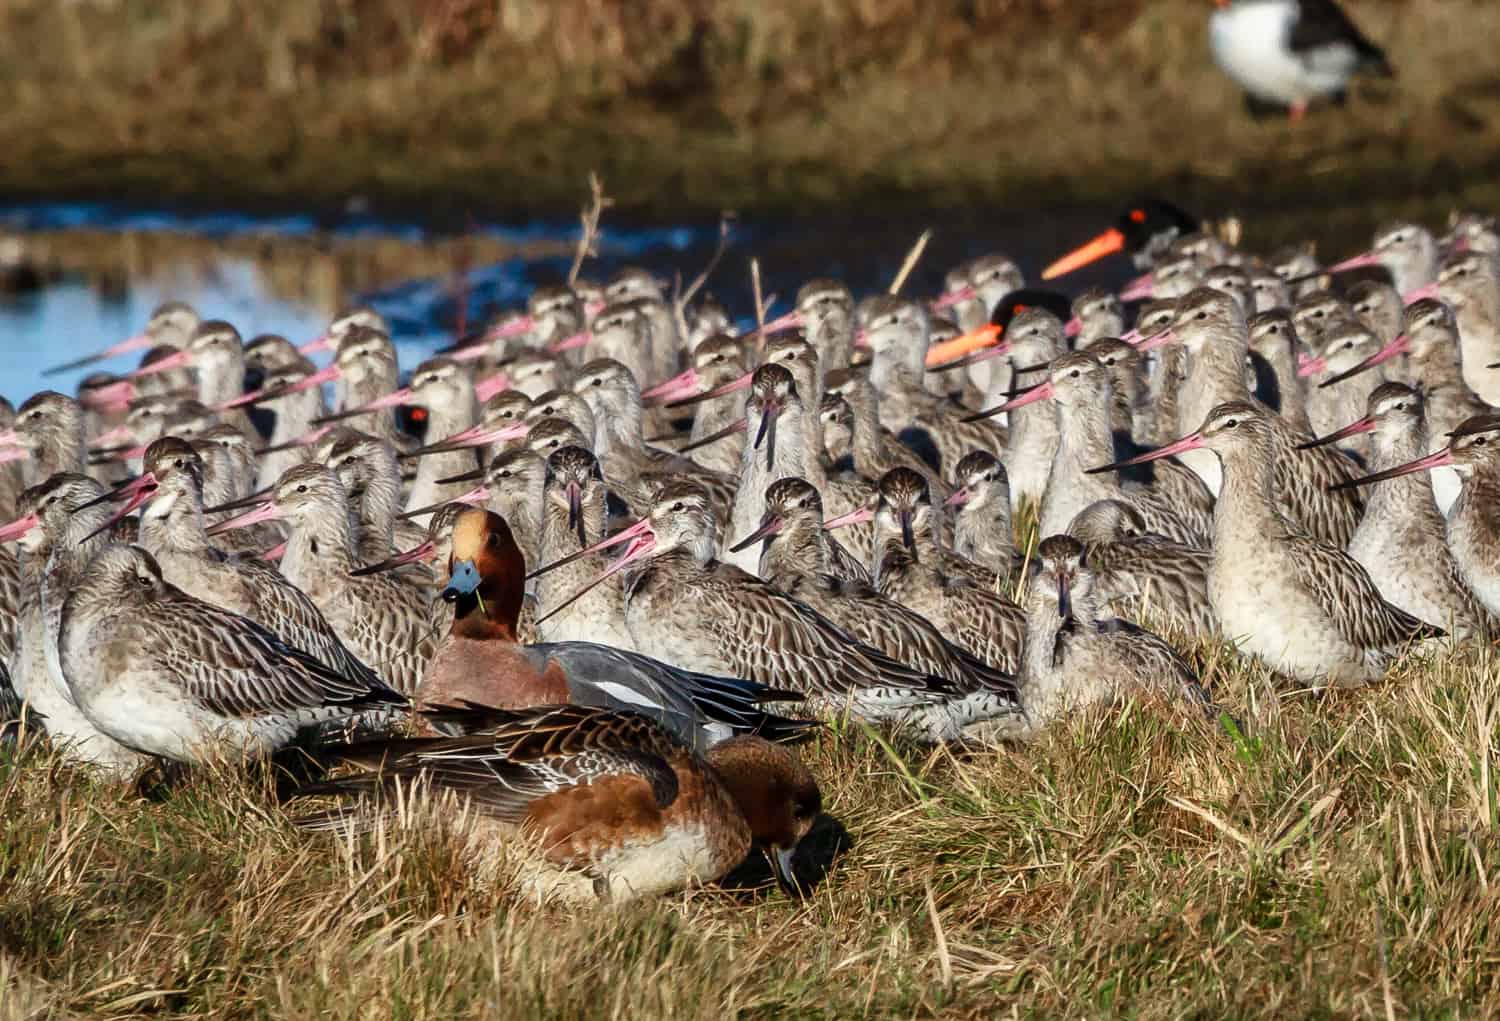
<point>489,104</point>
<point>1335,862</point>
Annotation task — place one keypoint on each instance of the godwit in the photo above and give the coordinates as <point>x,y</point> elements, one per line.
<point>47,436</point>
<point>382,619</point>
<point>361,317</point>
<point>1470,284</point>
<point>1472,232</point>
<point>1401,540</point>
<point>480,660</point>
<point>715,441</point>
<point>170,493</point>
<point>1315,312</point>
<point>57,537</point>
<point>787,532</point>
<point>1127,384</point>
<point>1473,525</point>
<point>1078,387</point>
<point>624,333</point>
<point>1297,263</point>
<point>1270,290</point>
<point>169,675</point>
<point>1429,339</point>
<point>1076,656</point>
<point>727,632</point>
<point>1287,54</point>
<point>1097,313</point>
<point>1346,343</point>
<point>1033,339</point>
<point>294,395</point>
<point>1273,352</point>
<point>1306,608</point>
<point>1234,281</point>
<point>982,529</point>
<point>622,807</point>
<point>1407,251</point>
<point>911,568</point>
<point>367,467</point>
<point>1139,574</point>
<point>797,557</point>
<point>780,448</point>
<point>364,371</point>
<point>1378,305</point>
<point>170,325</point>
<point>573,519</point>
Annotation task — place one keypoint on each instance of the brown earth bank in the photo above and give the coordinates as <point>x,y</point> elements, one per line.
<point>687,106</point>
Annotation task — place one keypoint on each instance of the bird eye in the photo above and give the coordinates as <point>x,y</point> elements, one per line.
<point>144,579</point>
<point>505,475</point>
<point>1231,423</point>
<point>1317,313</point>
<point>1480,441</point>
<point>302,489</point>
<point>598,381</point>
<point>1201,315</point>
<point>677,506</point>
<point>349,459</point>
<point>1275,329</point>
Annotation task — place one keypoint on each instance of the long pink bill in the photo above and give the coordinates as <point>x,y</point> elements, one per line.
<point>109,395</point>
<point>474,436</point>
<point>738,383</point>
<point>958,497</point>
<point>1040,392</point>
<point>571,343</point>
<point>320,343</point>
<point>394,399</point>
<point>490,385</point>
<point>1441,459</point>
<point>1425,291</point>
<point>739,425</point>
<point>1311,366</point>
<point>421,554</point>
<point>857,516</point>
<point>1161,338</point>
<point>275,553</point>
<point>1139,289</point>
<point>1359,261</point>
<point>307,439</point>
<point>957,296</point>
<point>139,493</point>
<point>641,545</point>
<point>1356,428</point>
<point>10,453</point>
<point>18,528</point>
<point>640,528</point>
<point>788,321</point>
<point>476,497</point>
<point>139,342</point>
<point>769,527</point>
<point>1396,347</point>
<point>176,360</point>
<point>684,384</point>
<point>1073,327</point>
<point>1192,441</point>
<point>267,511</point>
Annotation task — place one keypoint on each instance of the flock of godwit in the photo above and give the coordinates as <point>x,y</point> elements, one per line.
<point>635,554</point>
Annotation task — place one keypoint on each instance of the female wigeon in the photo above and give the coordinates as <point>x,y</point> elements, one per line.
<point>622,807</point>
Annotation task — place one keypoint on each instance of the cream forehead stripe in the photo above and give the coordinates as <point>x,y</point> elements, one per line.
<point>468,534</point>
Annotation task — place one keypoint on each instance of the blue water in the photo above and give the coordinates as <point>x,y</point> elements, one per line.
<point>71,318</point>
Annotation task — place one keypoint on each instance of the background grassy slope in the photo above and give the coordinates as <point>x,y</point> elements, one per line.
<point>1340,862</point>
<point>698,104</point>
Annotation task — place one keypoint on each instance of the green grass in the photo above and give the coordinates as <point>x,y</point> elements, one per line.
<point>692,105</point>
<point>1335,860</point>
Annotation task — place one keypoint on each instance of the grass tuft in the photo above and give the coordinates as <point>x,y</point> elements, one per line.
<point>1332,856</point>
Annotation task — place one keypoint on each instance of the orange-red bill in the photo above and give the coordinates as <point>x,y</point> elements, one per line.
<point>1108,243</point>
<point>946,351</point>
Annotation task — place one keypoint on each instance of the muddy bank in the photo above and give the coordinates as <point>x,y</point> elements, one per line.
<point>688,106</point>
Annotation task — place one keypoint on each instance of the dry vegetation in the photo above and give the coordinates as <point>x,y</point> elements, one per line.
<point>507,104</point>
<point>1336,861</point>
